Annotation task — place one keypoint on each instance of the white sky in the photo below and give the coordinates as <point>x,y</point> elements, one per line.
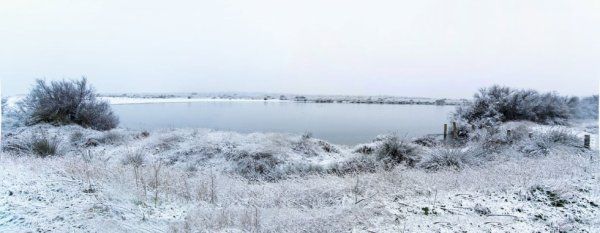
<point>407,48</point>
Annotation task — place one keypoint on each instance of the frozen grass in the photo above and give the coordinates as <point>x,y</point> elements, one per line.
<point>188,180</point>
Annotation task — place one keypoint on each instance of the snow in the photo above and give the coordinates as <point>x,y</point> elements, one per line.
<point>200,189</point>
<point>129,100</point>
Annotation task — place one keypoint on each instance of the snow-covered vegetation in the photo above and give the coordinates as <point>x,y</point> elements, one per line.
<point>505,175</point>
<point>190,180</point>
<point>67,102</point>
<point>502,104</point>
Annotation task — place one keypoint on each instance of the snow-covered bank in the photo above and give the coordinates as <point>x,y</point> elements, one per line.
<point>237,97</point>
<point>193,180</point>
<point>131,100</point>
<point>181,98</point>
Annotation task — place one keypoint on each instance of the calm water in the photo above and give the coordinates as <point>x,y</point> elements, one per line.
<point>338,123</point>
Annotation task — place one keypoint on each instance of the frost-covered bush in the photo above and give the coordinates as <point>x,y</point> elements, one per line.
<point>541,144</point>
<point>135,158</point>
<point>501,104</point>
<point>44,146</point>
<point>111,137</point>
<point>258,166</point>
<point>394,151</point>
<point>305,145</point>
<point>67,102</point>
<point>36,143</point>
<point>359,164</point>
<point>4,104</point>
<point>364,149</point>
<point>585,108</point>
<point>519,133</point>
<point>76,137</point>
<point>454,158</point>
<point>11,118</point>
<point>426,141</point>
<point>560,136</point>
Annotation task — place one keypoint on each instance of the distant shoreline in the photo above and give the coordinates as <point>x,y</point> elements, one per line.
<point>193,98</point>
<point>123,99</point>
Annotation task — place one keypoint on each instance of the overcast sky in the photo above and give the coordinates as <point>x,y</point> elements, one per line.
<point>406,48</point>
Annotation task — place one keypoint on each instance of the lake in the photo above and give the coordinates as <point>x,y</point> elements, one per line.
<point>337,123</point>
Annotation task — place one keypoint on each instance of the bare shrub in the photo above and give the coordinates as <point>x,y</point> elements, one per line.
<point>394,151</point>
<point>68,102</point>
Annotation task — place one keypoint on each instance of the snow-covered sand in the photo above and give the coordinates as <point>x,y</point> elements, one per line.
<point>189,182</point>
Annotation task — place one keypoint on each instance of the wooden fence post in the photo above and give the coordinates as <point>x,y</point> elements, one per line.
<point>454,130</point>
<point>586,141</point>
<point>445,131</point>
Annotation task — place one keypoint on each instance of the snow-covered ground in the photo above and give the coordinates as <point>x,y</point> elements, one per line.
<point>194,180</point>
<point>133,100</point>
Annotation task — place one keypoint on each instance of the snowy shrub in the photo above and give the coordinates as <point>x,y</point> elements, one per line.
<point>585,108</point>
<point>560,136</point>
<point>490,139</point>
<point>535,148</point>
<point>541,145</point>
<point>305,145</point>
<point>258,166</point>
<point>588,107</point>
<point>111,137</point>
<point>355,165</point>
<point>134,158</point>
<point>36,143</point>
<point>365,149</point>
<point>44,146</point>
<point>67,102</point>
<point>11,117</point>
<point>394,151</point>
<point>426,141</point>
<point>328,147</point>
<point>440,158</point>
<point>4,105</point>
<point>76,137</point>
<point>519,133</point>
<point>502,104</point>
<point>167,142</point>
